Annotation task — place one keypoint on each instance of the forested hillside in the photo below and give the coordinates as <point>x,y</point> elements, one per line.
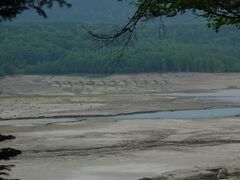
<point>59,44</point>
<point>68,49</point>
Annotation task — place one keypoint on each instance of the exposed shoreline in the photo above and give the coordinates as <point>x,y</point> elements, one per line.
<point>93,149</point>
<point>112,149</point>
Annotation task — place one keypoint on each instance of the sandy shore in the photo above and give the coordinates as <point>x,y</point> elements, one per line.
<point>93,149</point>
<point>126,150</point>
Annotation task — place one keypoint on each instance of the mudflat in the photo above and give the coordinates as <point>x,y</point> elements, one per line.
<point>60,125</point>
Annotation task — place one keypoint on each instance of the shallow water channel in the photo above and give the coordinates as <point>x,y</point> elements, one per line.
<point>226,96</point>
<point>183,114</point>
<point>179,114</point>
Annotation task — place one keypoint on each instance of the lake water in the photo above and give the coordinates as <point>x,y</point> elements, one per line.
<point>183,114</point>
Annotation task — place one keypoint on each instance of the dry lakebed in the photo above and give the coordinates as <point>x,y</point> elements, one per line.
<point>122,127</point>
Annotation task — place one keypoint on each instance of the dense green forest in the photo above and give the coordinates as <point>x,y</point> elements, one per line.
<point>68,49</point>
<point>59,45</point>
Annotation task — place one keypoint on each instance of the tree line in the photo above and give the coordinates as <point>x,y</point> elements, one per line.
<point>69,49</point>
